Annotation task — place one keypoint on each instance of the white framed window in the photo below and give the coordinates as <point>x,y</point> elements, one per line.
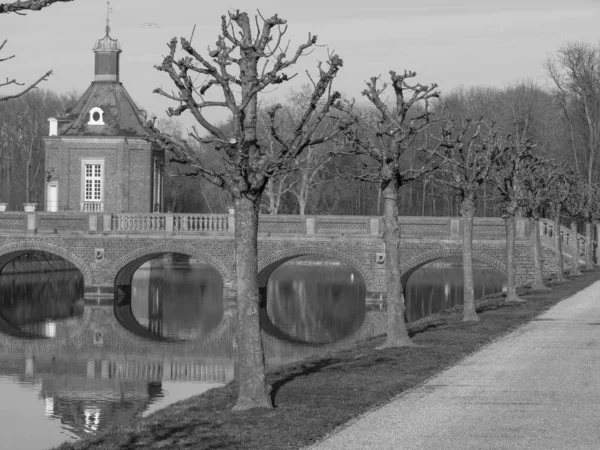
<point>92,185</point>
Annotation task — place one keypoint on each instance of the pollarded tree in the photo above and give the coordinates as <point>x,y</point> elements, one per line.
<point>246,60</point>
<point>536,192</point>
<point>20,7</point>
<point>574,209</point>
<point>467,153</point>
<point>507,176</point>
<point>560,189</point>
<point>382,136</point>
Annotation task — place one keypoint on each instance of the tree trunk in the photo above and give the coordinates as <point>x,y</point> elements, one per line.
<point>589,256</point>
<point>575,250</point>
<point>397,333</point>
<point>538,262</point>
<point>598,243</point>
<point>301,206</point>
<point>511,261</point>
<point>423,199</point>
<point>560,272</point>
<point>253,391</point>
<point>467,210</point>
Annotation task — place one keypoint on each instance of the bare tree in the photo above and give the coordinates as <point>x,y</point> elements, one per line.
<point>536,184</point>
<point>24,122</point>
<point>507,174</point>
<point>574,209</point>
<point>575,71</point>
<point>466,158</point>
<point>245,61</point>
<point>559,191</point>
<point>21,7</point>
<point>383,136</point>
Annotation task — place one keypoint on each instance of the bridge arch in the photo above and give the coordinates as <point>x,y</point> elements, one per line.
<point>125,266</point>
<point>409,267</point>
<point>12,251</point>
<point>268,264</point>
<point>122,274</point>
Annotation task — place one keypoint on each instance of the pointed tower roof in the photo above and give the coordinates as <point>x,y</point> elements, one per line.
<point>105,109</point>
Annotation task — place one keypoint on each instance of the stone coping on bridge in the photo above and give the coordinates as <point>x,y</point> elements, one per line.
<point>167,224</point>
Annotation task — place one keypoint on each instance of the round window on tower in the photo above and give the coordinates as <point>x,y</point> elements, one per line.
<point>96,116</point>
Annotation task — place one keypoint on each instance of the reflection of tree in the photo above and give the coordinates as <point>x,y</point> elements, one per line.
<point>315,300</point>
<point>441,287</point>
<point>43,287</point>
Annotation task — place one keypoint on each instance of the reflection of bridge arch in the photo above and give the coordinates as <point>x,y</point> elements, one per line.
<point>124,267</point>
<point>407,268</point>
<point>12,251</point>
<point>272,261</point>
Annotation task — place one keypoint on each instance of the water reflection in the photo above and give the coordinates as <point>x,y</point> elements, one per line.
<point>316,300</point>
<point>37,289</point>
<point>440,286</point>
<point>177,296</point>
<point>91,372</point>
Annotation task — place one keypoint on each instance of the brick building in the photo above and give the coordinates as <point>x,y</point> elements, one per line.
<point>96,157</point>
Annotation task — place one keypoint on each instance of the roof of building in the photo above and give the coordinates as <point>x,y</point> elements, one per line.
<point>107,44</point>
<point>121,116</point>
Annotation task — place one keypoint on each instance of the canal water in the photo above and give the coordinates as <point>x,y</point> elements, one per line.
<point>68,367</point>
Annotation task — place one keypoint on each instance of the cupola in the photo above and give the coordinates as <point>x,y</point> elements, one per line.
<point>107,52</point>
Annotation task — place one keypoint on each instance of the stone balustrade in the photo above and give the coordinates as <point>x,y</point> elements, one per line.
<point>223,224</point>
<point>547,231</point>
<point>169,223</point>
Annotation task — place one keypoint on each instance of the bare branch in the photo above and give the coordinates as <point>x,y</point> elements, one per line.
<point>19,6</point>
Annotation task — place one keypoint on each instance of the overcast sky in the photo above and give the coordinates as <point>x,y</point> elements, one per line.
<point>450,42</point>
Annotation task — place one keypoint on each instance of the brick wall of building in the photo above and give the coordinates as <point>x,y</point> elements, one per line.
<point>127,178</point>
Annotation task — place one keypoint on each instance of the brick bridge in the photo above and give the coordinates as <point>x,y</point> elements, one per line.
<point>108,248</point>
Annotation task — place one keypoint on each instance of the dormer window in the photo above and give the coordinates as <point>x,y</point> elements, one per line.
<point>96,116</point>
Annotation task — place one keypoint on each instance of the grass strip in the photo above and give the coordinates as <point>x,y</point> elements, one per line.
<point>315,396</point>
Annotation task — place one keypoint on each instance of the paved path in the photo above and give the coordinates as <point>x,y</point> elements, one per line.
<point>536,388</point>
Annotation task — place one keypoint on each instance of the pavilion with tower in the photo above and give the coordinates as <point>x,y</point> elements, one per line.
<point>96,158</point>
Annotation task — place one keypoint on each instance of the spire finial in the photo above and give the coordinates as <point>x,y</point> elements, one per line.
<point>107,17</point>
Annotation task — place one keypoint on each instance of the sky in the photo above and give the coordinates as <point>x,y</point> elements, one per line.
<point>450,42</point>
